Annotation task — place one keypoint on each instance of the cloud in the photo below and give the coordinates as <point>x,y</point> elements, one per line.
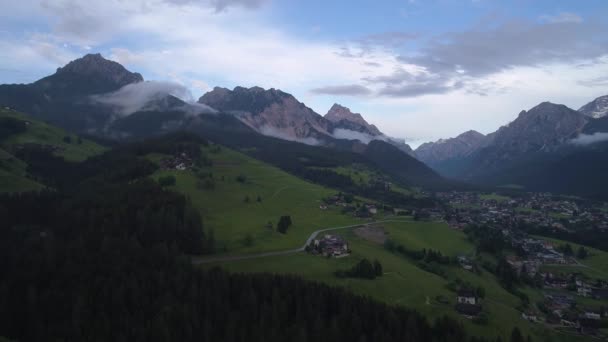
<point>348,90</point>
<point>459,60</point>
<point>588,139</point>
<point>149,95</point>
<point>563,17</point>
<point>273,132</point>
<point>490,49</point>
<point>340,133</point>
<point>222,5</point>
<point>388,39</point>
<point>601,81</point>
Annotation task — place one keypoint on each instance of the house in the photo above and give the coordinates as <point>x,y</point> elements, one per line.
<point>569,320</point>
<point>465,263</point>
<point>468,310</point>
<point>466,296</point>
<point>598,293</point>
<point>588,326</point>
<point>529,316</point>
<point>591,314</point>
<point>330,245</point>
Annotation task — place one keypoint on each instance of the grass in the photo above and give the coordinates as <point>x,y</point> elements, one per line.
<point>494,196</point>
<point>10,182</point>
<point>39,132</point>
<point>233,220</point>
<point>429,235</point>
<point>13,172</point>
<point>363,175</point>
<point>403,283</point>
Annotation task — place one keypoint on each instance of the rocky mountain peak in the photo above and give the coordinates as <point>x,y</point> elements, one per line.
<point>460,146</point>
<point>342,116</point>
<point>597,108</point>
<point>94,65</point>
<point>271,112</point>
<point>252,100</point>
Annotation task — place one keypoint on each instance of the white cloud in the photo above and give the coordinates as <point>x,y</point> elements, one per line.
<point>563,17</point>
<point>199,46</point>
<point>588,139</point>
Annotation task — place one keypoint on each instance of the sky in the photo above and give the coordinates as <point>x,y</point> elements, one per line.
<point>420,70</point>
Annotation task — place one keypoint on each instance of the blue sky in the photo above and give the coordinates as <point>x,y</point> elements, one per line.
<point>420,70</point>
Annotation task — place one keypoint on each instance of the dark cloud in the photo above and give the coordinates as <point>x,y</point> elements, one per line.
<point>222,5</point>
<point>486,50</point>
<point>459,60</point>
<point>348,90</point>
<point>402,83</point>
<point>419,89</point>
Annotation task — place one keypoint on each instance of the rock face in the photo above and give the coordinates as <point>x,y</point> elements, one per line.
<point>442,150</point>
<point>597,108</point>
<point>542,128</point>
<point>342,117</point>
<point>271,112</point>
<point>91,74</point>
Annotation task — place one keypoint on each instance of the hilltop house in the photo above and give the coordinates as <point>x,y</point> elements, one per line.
<point>467,303</point>
<point>466,296</point>
<point>330,245</point>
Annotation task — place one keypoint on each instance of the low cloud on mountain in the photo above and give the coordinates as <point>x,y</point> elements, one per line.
<point>588,139</point>
<point>136,96</point>
<point>273,132</point>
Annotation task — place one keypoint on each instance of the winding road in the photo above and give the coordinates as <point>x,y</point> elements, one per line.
<point>213,259</point>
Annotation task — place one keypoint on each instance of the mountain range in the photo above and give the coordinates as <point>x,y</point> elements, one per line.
<point>100,97</point>
<point>550,147</point>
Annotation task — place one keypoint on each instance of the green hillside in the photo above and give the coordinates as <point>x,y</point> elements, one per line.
<point>403,283</point>
<point>241,226</point>
<point>18,131</point>
<point>68,146</point>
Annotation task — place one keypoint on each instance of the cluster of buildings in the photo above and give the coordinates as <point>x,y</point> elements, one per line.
<point>537,209</point>
<point>181,161</point>
<point>329,246</point>
<point>561,309</point>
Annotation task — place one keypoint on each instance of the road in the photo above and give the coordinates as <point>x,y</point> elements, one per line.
<point>213,259</point>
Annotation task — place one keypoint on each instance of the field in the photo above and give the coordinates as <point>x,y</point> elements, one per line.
<point>403,283</point>
<point>363,175</point>
<point>13,175</point>
<point>39,132</point>
<point>241,226</point>
<point>495,197</point>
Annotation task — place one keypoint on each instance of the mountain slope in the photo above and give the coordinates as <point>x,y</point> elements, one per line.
<point>63,98</point>
<point>462,146</point>
<point>597,108</point>
<point>342,117</point>
<point>271,112</point>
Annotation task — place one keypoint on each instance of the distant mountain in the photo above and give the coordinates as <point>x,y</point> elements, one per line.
<point>270,112</point>
<point>342,117</point>
<point>91,74</point>
<point>100,97</point>
<point>597,108</point>
<point>547,148</point>
<point>62,98</point>
<point>443,150</point>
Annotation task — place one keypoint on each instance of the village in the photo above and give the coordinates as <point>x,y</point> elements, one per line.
<point>566,292</point>
<point>551,267</point>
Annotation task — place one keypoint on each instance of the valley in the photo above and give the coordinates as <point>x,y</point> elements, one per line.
<point>469,237</point>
